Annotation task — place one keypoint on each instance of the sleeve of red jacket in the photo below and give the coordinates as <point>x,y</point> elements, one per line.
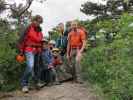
<point>21,47</point>
<point>34,36</point>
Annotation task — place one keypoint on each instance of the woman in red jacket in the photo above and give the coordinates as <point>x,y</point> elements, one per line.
<point>31,45</point>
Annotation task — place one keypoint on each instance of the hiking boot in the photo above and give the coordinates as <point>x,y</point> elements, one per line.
<point>49,84</point>
<point>57,83</point>
<point>40,85</point>
<point>25,89</point>
<point>79,81</point>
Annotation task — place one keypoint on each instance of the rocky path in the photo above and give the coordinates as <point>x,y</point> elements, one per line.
<point>66,91</point>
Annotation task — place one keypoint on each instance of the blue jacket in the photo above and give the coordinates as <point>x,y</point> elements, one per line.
<point>61,42</point>
<point>47,57</point>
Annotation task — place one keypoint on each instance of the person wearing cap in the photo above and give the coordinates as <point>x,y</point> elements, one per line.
<point>40,64</point>
<point>55,66</point>
<point>46,59</point>
<point>51,44</point>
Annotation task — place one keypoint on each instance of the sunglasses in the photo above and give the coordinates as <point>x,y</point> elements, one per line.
<point>55,51</point>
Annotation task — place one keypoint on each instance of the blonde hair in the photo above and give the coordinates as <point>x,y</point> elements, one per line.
<point>75,22</point>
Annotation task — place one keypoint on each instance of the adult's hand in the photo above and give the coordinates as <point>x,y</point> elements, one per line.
<point>68,57</point>
<point>79,55</point>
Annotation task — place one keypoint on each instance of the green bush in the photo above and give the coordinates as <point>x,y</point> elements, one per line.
<point>10,70</point>
<point>111,68</point>
<point>109,65</point>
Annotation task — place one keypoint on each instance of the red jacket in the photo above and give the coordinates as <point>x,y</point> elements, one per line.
<point>57,61</point>
<point>32,40</point>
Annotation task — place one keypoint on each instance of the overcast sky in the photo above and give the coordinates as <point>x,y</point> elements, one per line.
<point>56,11</point>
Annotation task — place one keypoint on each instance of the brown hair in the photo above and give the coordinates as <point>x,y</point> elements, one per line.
<point>37,18</point>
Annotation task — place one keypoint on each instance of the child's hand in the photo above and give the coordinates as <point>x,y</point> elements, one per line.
<point>61,62</point>
<point>50,66</point>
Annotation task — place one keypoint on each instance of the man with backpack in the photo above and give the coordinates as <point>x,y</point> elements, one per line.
<point>75,48</point>
<point>30,45</point>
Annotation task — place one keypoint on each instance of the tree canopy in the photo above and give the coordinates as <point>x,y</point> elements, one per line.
<point>111,9</point>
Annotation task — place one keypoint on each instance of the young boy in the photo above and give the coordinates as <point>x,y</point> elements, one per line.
<point>46,61</point>
<point>55,66</point>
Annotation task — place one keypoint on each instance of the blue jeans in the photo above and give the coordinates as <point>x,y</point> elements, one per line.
<point>29,68</point>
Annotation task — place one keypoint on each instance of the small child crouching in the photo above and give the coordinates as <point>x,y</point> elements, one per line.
<point>55,66</point>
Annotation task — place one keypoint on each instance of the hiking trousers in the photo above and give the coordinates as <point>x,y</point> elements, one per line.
<point>75,65</point>
<point>29,68</point>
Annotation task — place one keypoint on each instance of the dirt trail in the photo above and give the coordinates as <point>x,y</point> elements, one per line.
<point>66,91</point>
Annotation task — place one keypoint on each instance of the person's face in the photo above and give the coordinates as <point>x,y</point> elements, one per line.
<point>51,46</point>
<point>55,54</point>
<point>74,25</point>
<point>68,26</point>
<point>45,45</point>
<point>61,28</point>
<point>38,22</point>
